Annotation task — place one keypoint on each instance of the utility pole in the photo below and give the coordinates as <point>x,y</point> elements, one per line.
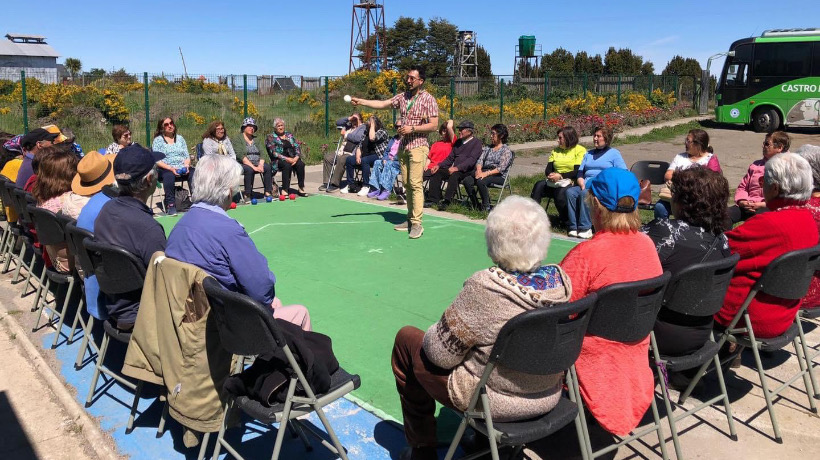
<point>184,68</point>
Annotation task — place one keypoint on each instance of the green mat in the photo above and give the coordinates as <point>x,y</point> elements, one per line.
<point>361,280</point>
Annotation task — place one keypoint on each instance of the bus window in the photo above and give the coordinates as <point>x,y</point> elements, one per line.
<point>736,68</point>
<point>782,60</point>
<point>815,66</point>
<point>736,74</point>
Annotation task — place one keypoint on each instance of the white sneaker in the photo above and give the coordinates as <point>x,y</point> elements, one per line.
<point>573,233</point>
<point>587,234</point>
<point>364,191</point>
<point>344,189</point>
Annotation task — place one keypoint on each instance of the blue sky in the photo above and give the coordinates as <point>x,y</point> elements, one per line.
<point>312,37</point>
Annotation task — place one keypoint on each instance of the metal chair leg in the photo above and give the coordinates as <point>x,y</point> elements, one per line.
<point>88,327</point>
<point>68,292</point>
<point>78,319</point>
<point>804,370</point>
<point>97,368</point>
<point>766,394</point>
<point>457,438</point>
<point>37,307</point>
<point>20,258</point>
<point>727,405</point>
<point>659,428</point>
<point>129,427</point>
<point>807,357</point>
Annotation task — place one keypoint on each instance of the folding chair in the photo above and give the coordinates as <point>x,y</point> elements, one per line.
<point>505,185</point>
<point>557,333</point>
<point>247,328</point>
<point>625,312</point>
<point>74,237</point>
<point>695,291</point>
<point>22,200</point>
<point>11,231</point>
<point>118,272</point>
<point>51,231</point>
<point>652,171</point>
<point>786,277</point>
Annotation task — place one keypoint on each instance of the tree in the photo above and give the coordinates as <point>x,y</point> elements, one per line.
<point>648,68</point>
<point>559,61</point>
<point>680,66</point>
<point>585,63</point>
<point>73,65</point>
<point>440,45</point>
<point>483,62</point>
<point>406,42</point>
<point>622,61</point>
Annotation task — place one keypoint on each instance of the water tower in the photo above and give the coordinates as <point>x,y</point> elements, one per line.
<point>465,59</point>
<point>367,36</point>
<point>527,55</point>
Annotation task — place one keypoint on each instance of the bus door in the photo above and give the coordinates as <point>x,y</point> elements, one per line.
<point>735,86</point>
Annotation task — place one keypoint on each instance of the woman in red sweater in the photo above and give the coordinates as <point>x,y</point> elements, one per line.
<point>440,149</point>
<point>787,186</point>
<point>616,382</point>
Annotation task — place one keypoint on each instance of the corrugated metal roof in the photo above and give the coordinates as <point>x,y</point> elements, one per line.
<point>9,48</point>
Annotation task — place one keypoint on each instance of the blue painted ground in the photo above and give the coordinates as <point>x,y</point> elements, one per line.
<point>362,433</point>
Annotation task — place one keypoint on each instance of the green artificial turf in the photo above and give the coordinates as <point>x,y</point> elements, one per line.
<point>361,280</point>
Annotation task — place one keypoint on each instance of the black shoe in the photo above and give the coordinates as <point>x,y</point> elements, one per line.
<point>323,187</point>
<point>429,204</point>
<point>488,208</point>
<point>443,205</point>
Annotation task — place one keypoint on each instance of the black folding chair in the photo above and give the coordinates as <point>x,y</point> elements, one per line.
<point>247,328</point>
<point>652,171</point>
<point>786,277</point>
<point>51,232</point>
<point>556,333</point>
<point>118,272</point>
<point>809,315</point>
<point>695,291</point>
<point>625,312</point>
<point>11,232</point>
<point>74,237</point>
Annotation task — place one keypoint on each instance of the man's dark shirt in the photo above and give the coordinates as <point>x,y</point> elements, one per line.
<point>128,223</point>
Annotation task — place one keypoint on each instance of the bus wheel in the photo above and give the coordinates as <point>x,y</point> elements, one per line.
<point>765,120</point>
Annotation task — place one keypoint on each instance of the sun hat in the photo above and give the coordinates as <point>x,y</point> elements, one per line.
<point>13,144</point>
<point>94,172</point>
<point>248,122</point>
<point>53,129</point>
<point>612,184</point>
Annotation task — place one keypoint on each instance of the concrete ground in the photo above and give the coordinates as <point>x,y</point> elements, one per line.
<point>39,417</point>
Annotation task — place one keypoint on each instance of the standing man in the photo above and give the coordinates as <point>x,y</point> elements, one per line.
<point>419,116</point>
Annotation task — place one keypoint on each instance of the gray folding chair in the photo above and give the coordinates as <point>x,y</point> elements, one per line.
<point>625,312</point>
<point>247,328</point>
<point>651,170</point>
<point>786,277</point>
<point>696,291</point>
<point>557,333</point>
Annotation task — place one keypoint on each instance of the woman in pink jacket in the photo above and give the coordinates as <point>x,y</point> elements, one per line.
<point>749,195</point>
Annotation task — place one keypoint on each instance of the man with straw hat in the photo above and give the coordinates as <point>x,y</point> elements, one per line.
<point>94,172</point>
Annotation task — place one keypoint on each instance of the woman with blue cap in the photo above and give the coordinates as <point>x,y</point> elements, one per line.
<point>616,382</point>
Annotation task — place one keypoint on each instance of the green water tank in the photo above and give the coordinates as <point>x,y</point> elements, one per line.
<point>526,45</point>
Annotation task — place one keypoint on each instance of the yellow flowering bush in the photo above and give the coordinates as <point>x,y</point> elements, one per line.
<point>636,103</point>
<point>5,110</point>
<point>444,103</point>
<point>587,104</point>
<point>479,109</point>
<point>525,108</point>
<point>660,99</point>
<point>196,118</point>
<point>238,106</point>
<point>382,83</point>
<point>196,86</point>
<point>114,106</point>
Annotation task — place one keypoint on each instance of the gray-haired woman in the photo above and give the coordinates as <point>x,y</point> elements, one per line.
<point>787,187</point>
<point>285,149</point>
<point>254,161</point>
<point>206,235</point>
<point>445,363</point>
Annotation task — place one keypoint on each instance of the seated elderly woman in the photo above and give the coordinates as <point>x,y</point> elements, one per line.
<point>616,382</point>
<point>122,139</point>
<point>57,166</point>
<point>208,238</point>
<point>787,187</point>
<point>385,171</point>
<point>812,154</point>
<point>694,236</point>
<point>445,363</point>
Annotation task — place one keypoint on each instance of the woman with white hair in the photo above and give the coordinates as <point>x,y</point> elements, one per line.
<point>445,363</point>
<point>812,154</point>
<point>210,239</point>
<point>787,187</point>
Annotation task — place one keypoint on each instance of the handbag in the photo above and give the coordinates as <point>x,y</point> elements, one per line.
<point>182,199</point>
<point>645,198</point>
<point>665,192</point>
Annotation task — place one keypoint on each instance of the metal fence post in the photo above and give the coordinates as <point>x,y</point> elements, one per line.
<point>501,107</point>
<point>24,101</point>
<point>147,111</point>
<point>651,84</point>
<point>393,86</point>
<point>704,93</point>
<point>327,106</point>
<point>546,91</point>
<point>245,95</point>
<point>452,96</point>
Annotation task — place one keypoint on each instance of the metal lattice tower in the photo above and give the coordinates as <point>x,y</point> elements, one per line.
<point>466,60</point>
<point>367,36</point>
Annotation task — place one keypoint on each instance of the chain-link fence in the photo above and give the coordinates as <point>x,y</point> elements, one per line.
<point>90,104</point>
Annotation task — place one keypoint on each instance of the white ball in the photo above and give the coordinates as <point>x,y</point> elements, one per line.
<point>348,98</point>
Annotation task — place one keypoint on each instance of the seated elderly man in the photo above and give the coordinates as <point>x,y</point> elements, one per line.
<point>787,187</point>
<point>210,239</point>
<point>458,165</point>
<point>445,363</point>
<point>126,221</point>
<point>353,132</point>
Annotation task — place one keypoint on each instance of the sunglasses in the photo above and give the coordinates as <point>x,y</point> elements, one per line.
<point>171,123</point>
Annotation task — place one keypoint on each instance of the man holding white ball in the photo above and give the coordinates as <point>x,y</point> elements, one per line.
<point>419,116</point>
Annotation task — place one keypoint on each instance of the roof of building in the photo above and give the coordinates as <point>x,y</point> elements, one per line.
<point>33,45</point>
